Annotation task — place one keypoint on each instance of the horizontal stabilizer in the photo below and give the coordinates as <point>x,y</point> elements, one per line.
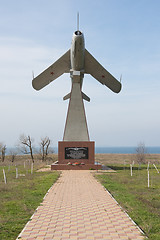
<point>67,96</point>
<point>84,96</point>
<point>93,67</point>
<point>62,65</point>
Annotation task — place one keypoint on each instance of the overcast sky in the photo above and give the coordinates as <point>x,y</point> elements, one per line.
<point>123,35</point>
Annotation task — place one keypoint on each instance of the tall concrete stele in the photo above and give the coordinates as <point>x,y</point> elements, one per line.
<point>76,151</point>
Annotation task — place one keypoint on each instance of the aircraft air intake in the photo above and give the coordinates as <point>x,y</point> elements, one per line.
<point>78,33</point>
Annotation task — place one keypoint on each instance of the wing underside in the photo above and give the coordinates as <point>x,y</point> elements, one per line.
<point>93,67</point>
<point>62,65</point>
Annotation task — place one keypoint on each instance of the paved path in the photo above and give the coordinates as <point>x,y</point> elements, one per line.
<point>78,207</point>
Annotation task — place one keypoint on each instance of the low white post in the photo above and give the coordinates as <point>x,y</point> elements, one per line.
<point>148,178</point>
<point>148,167</point>
<point>4,175</point>
<point>131,169</point>
<point>124,164</point>
<point>32,168</point>
<point>16,172</point>
<point>155,167</point>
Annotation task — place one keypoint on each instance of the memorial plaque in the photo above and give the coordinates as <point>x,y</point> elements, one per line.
<point>76,153</point>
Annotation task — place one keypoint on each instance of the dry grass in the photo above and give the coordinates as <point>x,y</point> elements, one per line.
<point>105,158</point>
<point>20,159</point>
<point>108,159</point>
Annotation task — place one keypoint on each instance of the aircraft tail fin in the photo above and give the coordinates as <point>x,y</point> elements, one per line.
<point>84,96</point>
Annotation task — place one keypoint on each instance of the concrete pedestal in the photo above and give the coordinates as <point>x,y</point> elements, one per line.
<point>76,156</point>
<point>76,151</point>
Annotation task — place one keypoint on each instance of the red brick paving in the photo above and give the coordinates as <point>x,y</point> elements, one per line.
<point>78,207</point>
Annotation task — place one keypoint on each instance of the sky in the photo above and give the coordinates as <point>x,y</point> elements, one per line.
<point>123,35</point>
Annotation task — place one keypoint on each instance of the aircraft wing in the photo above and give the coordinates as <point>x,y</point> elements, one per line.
<point>93,67</point>
<point>62,65</point>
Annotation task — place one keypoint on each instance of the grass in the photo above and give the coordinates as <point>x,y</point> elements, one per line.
<point>20,197</point>
<point>132,193</point>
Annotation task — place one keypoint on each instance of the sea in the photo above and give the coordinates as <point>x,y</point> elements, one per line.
<point>114,150</point>
<point>122,150</point>
<point>126,150</point>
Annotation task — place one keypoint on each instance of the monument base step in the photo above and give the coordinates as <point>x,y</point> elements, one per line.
<point>75,167</point>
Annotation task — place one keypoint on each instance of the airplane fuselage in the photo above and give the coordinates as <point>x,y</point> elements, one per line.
<point>77,51</point>
<point>77,61</point>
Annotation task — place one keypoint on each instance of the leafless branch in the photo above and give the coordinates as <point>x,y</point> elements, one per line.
<point>44,147</point>
<point>26,143</point>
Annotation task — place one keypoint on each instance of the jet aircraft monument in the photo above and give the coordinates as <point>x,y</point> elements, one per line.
<point>76,151</point>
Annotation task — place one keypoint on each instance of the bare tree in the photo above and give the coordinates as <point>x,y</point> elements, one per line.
<point>1,146</point>
<point>141,153</point>
<point>3,151</point>
<point>13,153</point>
<point>45,147</point>
<point>26,143</point>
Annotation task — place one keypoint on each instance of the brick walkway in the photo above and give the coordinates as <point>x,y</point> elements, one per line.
<point>78,207</point>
